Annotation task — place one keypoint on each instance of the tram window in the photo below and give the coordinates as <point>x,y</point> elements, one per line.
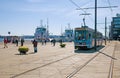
<point>79,37</point>
<point>89,35</point>
<point>93,35</point>
<point>86,36</point>
<point>68,35</point>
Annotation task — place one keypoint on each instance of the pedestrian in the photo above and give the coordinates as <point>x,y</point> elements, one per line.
<point>51,41</point>
<point>22,41</point>
<point>16,42</point>
<point>60,41</point>
<point>42,42</point>
<point>54,41</point>
<point>45,41</point>
<point>35,45</point>
<point>5,43</point>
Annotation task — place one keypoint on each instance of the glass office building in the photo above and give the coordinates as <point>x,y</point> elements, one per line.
<point>115,27</point>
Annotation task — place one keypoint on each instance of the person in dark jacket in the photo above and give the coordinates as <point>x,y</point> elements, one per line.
<point>16,42</point>
<point>22,41</point>
<point>54,41</point>
<point>35,45</point>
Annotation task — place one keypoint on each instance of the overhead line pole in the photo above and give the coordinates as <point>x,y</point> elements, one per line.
<point>105,29</point>
<point>95,25</point>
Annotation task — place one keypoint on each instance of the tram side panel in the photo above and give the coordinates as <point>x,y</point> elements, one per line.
<point>86,39</point>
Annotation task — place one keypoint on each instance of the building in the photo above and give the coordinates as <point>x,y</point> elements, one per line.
<point>115,27</point>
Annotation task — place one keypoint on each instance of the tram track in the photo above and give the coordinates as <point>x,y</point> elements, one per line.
<point>61,53</point>
<point>37,59</point>
<point>42,66</point>
<point>69,76</point>
<point>110,74</point>
<point>85,64</point>
<point>77,69</point>
<point>24,61</point>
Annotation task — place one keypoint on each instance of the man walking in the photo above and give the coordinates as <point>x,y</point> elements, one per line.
<point>54,41</point>
<point>22,41</point>
<point>35,46</point>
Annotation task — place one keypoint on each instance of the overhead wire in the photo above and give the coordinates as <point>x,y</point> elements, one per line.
<point>89,16</point>
<point>110,8</point>
<point>77,5</point>
<point>81,8</point>
<point>109,5</point>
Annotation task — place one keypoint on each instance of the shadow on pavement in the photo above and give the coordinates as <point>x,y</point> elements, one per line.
<point>21,54</point>
<point>108,55</point>
<point>25,54</point>
<point>92,50</point>
<point>31,53</point>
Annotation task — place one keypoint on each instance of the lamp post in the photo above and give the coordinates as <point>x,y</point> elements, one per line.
<point>105,28</point>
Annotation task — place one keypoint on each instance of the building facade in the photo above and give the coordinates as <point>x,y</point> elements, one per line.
<point>115,27</point>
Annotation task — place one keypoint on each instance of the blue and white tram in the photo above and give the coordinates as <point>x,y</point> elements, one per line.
<point>84,38</point>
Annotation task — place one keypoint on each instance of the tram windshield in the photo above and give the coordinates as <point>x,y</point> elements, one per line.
<point>80,35</point>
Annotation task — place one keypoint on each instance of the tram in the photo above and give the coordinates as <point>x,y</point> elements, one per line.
<point>84,38</point>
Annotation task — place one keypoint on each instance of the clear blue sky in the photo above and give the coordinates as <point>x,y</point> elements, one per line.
<point>21,17</point>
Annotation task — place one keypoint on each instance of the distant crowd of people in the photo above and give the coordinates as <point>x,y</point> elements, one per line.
<point>34,42</point>
<point>21,41</point>
<point>15,41</point>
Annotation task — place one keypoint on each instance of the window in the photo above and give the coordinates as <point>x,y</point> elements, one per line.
<point>116,22</point>
<point>80,35</point>
<point>117,26</point>
<point>116,19</point>
<point>115,32</point>
<point>89,35</point>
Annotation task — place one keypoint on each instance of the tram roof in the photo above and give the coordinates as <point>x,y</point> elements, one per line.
<point>86,28</point>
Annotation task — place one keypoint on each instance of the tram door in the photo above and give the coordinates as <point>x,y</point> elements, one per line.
<point>90,39</point>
